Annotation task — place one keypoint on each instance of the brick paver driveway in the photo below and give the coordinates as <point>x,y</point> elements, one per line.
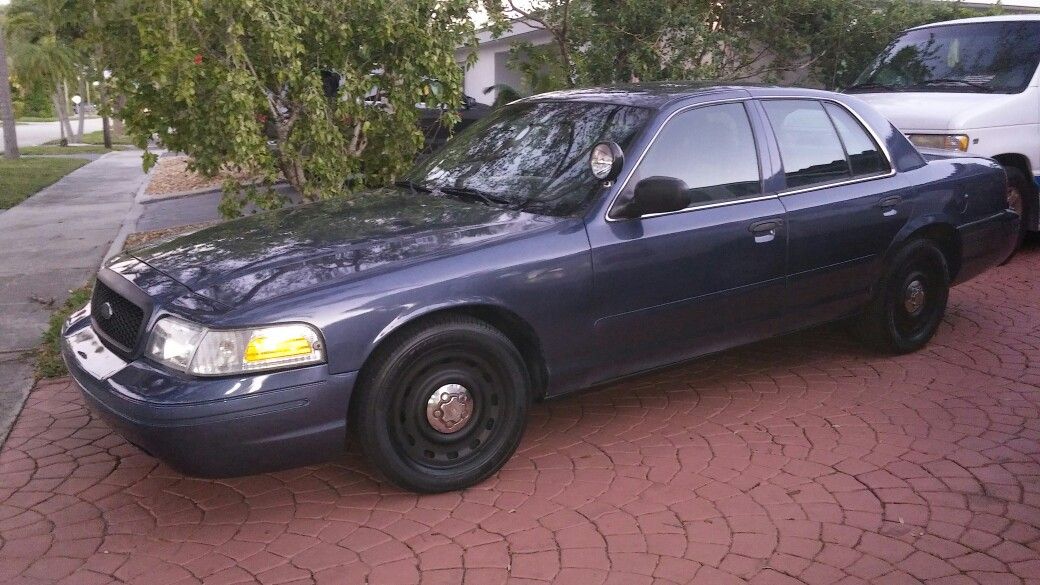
<point>804,459</point>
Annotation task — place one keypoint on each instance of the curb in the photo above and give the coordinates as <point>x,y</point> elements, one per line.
<point>153,198</point>
<point>20,378</point>
<point>131,219</point>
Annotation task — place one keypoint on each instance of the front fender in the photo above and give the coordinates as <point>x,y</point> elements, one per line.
<point>415,313</point>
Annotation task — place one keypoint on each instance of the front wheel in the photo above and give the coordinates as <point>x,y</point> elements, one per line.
<point>445,407</point>
<point>909,301</point>
<point>1019,190</point>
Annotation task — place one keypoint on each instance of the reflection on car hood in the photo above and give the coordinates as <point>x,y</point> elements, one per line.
<point>277,253</point>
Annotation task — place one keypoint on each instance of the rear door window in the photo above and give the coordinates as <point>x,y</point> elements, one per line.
<point>810,149</point>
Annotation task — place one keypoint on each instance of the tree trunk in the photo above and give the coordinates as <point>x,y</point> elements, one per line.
<point>82,107</point>
<point>56,99</point>
<point>65,107</point>
<point>117,120</point>
<point>62,111</point>
<point>99,54</point>
<point>6,107</point>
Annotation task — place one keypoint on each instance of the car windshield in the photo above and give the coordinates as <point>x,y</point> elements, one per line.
<point>998,57</point>
<point>531,155</point>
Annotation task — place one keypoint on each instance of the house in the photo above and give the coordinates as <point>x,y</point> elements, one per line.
<point>491,67</point>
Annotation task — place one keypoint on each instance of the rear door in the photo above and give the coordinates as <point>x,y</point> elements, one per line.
<point>844,206</point>
<point>711,276</point>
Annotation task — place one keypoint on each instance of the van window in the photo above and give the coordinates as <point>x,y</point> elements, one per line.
<point>984,57</point>
<point>809,146</point>
<point>864,154</point>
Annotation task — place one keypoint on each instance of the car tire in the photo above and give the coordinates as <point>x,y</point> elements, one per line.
<point>444,406</point>
<point>1020,194</point>
<point>910,300</point>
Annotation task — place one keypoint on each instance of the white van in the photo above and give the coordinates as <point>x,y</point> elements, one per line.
<point>968,85</point>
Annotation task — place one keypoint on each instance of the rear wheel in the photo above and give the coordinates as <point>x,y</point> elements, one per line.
<point>910,300</point>
<point>445,407</point>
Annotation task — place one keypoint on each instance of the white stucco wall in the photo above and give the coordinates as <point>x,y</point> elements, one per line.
<point>484,73</point>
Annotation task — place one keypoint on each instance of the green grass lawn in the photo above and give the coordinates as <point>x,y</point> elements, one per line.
<point>52,149</point>
<point>34,119</point>
<point>22,177</point>
<point>48,356</point>
<point>97,138</point>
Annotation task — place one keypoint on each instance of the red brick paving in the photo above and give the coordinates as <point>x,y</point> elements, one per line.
<point>801,460</point>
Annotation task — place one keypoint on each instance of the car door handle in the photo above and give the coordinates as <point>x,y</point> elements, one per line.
<point>764,231</point>
<point>888,205</point>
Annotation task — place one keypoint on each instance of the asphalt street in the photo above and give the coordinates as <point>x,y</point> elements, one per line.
<point>35,133</point>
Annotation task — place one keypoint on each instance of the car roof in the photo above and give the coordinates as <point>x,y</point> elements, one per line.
<point>664,94</point>
<point>982,19</point>
<point>647,95</point>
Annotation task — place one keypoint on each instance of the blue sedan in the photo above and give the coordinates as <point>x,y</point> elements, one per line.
<point>561,242</point>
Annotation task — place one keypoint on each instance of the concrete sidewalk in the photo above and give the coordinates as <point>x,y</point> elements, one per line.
<point>49,244</point>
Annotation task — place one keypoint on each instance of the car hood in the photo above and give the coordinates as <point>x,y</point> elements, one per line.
<point>942,111</point>
<point>277,253</point>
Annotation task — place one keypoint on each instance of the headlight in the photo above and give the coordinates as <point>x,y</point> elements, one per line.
<point>940,141</point>
<point>194,349</point>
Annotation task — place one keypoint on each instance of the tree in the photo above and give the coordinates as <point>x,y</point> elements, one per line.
<point>320,92</point>
<point>824,42</point>
<point>42,48</point>
<point>6,105</point>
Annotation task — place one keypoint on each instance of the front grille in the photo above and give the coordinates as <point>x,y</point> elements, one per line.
<point>120,321</point>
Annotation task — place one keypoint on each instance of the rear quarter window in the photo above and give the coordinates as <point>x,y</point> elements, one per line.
<point>865,156</point>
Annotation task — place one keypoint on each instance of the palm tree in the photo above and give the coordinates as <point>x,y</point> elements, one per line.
<point>6,106</point>
<point>40,51</point>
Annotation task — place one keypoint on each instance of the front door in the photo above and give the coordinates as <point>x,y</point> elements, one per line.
<point>711,276</point>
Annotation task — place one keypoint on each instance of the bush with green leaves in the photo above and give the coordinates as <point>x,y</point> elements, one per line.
<point>238,84</point>
<point>817,42</point>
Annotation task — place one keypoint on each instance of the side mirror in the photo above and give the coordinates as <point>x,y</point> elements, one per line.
<point>605,160</point>
<point>655,195</point>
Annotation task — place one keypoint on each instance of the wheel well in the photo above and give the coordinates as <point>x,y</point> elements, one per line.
<point>1018,161</point>
<point>948,241</point>
<point>510,324</point>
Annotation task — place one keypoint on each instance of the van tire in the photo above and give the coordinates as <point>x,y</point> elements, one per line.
<point>1021,198</point>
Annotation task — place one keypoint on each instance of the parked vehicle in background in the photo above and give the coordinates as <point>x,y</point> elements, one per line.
<point>972,86</point>
<point>563,241</point>
<point>436,133</point>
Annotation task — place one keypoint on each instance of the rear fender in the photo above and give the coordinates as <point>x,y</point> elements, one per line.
<point>940,226</point>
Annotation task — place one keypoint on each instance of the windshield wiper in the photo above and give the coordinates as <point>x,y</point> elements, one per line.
<point>413,186</point>
<point>871,85</point>
<point>948,80</point>
<point>471,193</point>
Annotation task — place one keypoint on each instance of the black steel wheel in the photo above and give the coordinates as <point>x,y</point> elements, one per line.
<point>444,407</point>
<point>909,301</point>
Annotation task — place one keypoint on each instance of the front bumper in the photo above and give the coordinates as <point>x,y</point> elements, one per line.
<point>212,427</point>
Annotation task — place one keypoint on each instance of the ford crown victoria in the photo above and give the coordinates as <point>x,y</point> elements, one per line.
<point>565,240</point>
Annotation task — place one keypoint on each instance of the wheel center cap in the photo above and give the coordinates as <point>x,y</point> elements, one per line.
<point>449,408</point>
<point>913,299</point>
